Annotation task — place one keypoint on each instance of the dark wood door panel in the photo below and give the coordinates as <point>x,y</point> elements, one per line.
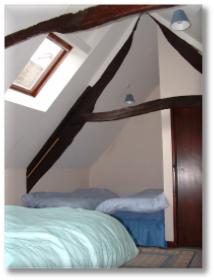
<point>187,143</point>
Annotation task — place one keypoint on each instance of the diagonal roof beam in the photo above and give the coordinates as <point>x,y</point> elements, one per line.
<point>82,20</point>
<point>191,54</point>
<point>67,130</point>
<point>76,118</point>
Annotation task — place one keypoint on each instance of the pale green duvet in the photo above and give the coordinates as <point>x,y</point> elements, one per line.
<point>64,238</point>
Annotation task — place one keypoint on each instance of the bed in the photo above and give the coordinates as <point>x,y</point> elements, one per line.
<point>146,229</point>
<point>63,237</point>
<point>142,214</point>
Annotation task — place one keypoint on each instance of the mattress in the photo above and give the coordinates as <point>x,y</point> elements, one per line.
<point>146,229</point>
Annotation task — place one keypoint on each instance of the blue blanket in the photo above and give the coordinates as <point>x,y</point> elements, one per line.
<point>64,238</point>
<point>146,229</point>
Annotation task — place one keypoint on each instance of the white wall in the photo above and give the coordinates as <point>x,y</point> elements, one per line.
<point>177,77</point>
<point>15,185</point>
<point>134,159</point>
<point>62,179</point>
<point>56,179</point>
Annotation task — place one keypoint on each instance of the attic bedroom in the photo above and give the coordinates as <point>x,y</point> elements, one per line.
<point>103,127</point>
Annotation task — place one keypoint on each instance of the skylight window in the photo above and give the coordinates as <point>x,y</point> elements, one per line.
<point>50,68</point>
<point>41,65</point>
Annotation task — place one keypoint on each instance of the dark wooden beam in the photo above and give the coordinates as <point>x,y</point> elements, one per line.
<point>188,52</point>
<point>143,108</point>
<point>67,130</point>
<point>82,20</point>
<point>81,112</point>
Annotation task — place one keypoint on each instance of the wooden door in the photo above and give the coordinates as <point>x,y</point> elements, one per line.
<point>187,165</point>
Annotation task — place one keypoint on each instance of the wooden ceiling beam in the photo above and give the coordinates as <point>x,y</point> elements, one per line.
<point>82,20</point>
<point>82,112</point>
<point>144,108</point>
<point>187,51</point>
<point>67,130</point>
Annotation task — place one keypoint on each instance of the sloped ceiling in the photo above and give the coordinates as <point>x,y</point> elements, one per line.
<point>26,130</point>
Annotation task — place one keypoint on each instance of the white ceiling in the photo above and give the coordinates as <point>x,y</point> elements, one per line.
<point>16,18</point>
<point>26,130</point>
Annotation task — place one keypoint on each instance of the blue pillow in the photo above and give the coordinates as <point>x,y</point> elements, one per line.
<point>147,201</point>
<point>87,198</point>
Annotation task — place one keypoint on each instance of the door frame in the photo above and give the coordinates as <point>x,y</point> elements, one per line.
<point>175,182</point>
<point>174,177</point>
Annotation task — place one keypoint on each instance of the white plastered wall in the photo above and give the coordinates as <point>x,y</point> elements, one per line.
<point>177,77</point>
<point>56,179</point>
<point>133,162</point>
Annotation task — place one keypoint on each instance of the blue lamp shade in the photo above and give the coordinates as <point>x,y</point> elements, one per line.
<point>180,21</point>
<point>129,99</point>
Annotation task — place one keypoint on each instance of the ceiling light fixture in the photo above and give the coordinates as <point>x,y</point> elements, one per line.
<point>129,99</point>
<point>180,21</point>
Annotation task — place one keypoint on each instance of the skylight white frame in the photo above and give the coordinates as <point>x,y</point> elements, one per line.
<point>54,85</point>
<point>64,50</point>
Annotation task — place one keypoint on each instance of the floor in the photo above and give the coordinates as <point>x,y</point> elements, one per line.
<point>166,258</point>
<point>197,260</point>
